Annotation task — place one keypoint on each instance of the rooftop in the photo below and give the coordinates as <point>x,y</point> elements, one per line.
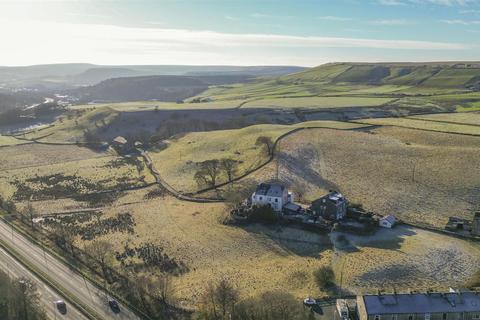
<point>390,218</point>
<point>271,190</point>
<point>423,303</point>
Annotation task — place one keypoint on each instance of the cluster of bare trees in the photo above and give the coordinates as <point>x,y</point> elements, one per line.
<point>209,171</point>
<point>221,301</point>
<point>266,143</point>
<point>19,299</point>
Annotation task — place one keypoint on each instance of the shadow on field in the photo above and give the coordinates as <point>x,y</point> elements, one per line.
<point>389,239</point>
<point>289,240</point>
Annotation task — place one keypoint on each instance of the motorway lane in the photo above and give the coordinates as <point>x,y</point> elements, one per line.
<point>71,281</point>
<point>47,295</point>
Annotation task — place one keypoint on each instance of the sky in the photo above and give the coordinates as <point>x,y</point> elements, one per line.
<point>237,32</point>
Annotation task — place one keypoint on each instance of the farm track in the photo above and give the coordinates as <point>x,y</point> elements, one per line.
<point>162,183</point>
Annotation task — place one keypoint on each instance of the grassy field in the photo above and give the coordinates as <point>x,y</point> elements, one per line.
<point>317,102</point>
<point>71,128</point>
<point>177,163</point>
<point>35,155</point>
<point>158,105</point>
<point>471,118</point>
<point>10,141</point>
<point>425,125</point>
<point>77,177</point>
<point>256,259</point>
<point>375,169</point>
<point>404,258</point>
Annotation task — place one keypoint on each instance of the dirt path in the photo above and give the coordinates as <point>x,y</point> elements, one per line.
<point>160,181</point>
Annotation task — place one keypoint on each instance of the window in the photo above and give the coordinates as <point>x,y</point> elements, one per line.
<point>276,200</point>
<point>261,198</point>
<point>410,317</point>
<point>377,317</point>
<point>476,316</point>
<point>444,316</point>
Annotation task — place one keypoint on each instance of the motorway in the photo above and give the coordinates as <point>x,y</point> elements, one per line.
<point>47,295</point>
<point>70,281</point>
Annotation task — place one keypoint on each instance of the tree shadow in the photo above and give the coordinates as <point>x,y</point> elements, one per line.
<point>388,239</point>
<point>291,239</point>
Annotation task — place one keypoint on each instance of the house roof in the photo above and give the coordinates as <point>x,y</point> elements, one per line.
<point>334,196</point>
<point>292,206</point>
<point>390,218</point>
<point>422,303</point>
<point>120,140</point>
<point>271,190</point>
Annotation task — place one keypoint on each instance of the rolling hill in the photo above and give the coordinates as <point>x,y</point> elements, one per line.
<point>164,88</point>
<point>54,76</point>
<point>446,75</point>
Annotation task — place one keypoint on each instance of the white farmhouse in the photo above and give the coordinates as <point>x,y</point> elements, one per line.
<point>388,221</point>
<point>274,195</point>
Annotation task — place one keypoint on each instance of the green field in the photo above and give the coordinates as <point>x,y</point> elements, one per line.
<point>317,102</point>
<point>177,163</point>
<point>158,105</point>
<point>425,125</point>
<point>10,141</point>
<point>471,118</point>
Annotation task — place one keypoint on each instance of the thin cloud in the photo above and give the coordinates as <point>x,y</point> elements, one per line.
<point>126,45</point>
<point>461,22</point>
<point>391,2</point>
<point>389,22</point>
<point>434,2</point>
<point>231,18</point>
<point>334,18</point>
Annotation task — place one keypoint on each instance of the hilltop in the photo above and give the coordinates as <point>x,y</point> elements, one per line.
<point>445,75</point>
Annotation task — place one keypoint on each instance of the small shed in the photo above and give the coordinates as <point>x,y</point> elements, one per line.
<point>120,141</point>
<point>388,221</point>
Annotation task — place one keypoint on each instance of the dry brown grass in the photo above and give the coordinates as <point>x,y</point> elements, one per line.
<point>34,155</point>
<point>405,258</point>
<point>94,170</point>
<point>256,259</point>
<point>376,170</point>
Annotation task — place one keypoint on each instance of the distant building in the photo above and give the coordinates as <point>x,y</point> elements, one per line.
<point>420,306</point>
<point>388,221</point>
<point>274,195</point>
<point>119,141</point>
<point>332,206</point>
<point>476,224</point>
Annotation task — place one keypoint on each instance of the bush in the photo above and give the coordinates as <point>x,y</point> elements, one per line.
<point>263,214</point>
<point>324,277</point>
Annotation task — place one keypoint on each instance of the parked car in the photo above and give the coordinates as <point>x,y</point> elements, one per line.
<point>61,306</point>
<point>309,302</point>
<point>114,305</point>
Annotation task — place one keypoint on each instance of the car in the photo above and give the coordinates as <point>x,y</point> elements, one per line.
<point>309,302</point>
<point>61,306</point>
<point>114,305</point>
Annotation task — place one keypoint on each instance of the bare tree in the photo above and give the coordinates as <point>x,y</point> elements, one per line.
<point>30,213</point>
<point>162,288</point>
<point>208,172</point>
<point>230,166</point>
<point>226,297</point>
<point>102,252</point>
<point>267,144</point>
<point>219,301</point>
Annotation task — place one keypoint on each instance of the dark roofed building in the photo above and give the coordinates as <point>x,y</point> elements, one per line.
<point>332,206</point>
<point>420,306</point>
<point>476,224</point>
<point>274,195</point>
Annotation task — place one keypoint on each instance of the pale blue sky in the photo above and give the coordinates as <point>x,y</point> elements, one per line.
<point>246,32</point>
